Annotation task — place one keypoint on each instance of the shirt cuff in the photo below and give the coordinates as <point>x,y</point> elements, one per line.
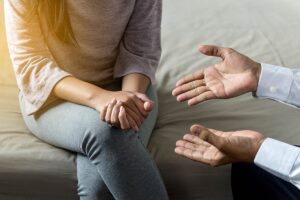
<point>274,82</point>
<point>277,158</point>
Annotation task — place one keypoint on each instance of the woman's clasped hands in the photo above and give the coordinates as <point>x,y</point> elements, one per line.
<point>125,109</point>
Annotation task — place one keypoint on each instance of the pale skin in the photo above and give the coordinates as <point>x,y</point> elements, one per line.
<point>234,75</point>
<point>125,109</point>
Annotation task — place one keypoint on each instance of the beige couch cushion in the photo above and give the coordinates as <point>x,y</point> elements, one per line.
<point>30,168</point>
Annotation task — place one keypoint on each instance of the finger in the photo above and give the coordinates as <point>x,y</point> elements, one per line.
<point>192,154</point>
<point>114,119</point>
<point>192,77</point>
<point>143,97</point>
<point>187,87</point>
<point>109,110</point>
<point>202,97</point>
<point>196,129</point>
<point>137,119</point>
<point>196,140</point>
<point>140,105</point>
<point>132,123</point>
<point>210,50</point>
<point>131,104</point>
<point>192,93</point>
<point>219,133</point>
<point>192,145</point>
<point>103,113</point>
<point>148,103</point>
<point>206,135</point>
<point>148,106</point>
<point>186,144</point>
<point>123,119</point>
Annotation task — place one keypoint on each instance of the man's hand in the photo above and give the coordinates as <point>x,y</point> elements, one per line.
<point>216,148</point>
<point>236,74</point>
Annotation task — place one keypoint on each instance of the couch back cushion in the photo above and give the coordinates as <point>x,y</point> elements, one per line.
<point>7,76</point>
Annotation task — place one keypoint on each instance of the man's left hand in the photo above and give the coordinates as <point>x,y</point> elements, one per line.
<point>213,147</point>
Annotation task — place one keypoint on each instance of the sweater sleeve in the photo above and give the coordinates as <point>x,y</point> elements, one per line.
<point>35,69</point>
<point>140,48</point>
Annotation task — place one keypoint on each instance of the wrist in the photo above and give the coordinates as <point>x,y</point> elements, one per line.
<point>135,82</point>
<point>97,99</point>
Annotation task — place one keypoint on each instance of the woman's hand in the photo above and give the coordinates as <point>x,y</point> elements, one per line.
<point>114,113</point>
<point>234,75</point>
<point>133,105</point>
<point>126,109</point>
<point>216,148</point>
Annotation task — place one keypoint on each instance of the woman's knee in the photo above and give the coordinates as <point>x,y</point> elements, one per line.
<point>102,137</point>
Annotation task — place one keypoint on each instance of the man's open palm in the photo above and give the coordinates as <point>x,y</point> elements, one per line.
<point>216,148</point>
<point>234,75</point>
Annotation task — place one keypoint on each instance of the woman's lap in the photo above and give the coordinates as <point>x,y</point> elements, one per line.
<point>79,128</point>
<point>64,124</point>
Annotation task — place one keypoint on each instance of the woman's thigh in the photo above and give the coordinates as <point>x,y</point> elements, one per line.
<point>64,124</point>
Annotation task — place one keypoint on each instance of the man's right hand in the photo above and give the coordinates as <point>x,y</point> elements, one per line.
<point>236,74</point>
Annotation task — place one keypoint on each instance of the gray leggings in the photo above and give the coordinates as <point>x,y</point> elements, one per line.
<point>111,163</point>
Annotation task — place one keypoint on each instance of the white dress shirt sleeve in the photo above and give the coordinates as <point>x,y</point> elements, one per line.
<point>278,158</point>
<point>280,84</point>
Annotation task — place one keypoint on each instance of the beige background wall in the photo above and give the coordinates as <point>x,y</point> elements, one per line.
<point>6,71</point>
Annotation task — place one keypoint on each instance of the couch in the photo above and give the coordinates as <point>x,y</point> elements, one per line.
<point>266,30</point>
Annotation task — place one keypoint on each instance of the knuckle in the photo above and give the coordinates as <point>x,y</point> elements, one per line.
<point>127,100</point>
<point>199,98</point>
<point>229,50</point>
<point>205,97</point>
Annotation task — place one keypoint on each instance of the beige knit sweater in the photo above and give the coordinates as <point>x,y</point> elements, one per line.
<point>115,37</point>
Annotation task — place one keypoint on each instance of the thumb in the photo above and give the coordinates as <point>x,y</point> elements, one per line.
<point>208,136</point>
<point>148,106</point>
<point>217,51</point>
<point>143,97</point>
<point>148,103</point>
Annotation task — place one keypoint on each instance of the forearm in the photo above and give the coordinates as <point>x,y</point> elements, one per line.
<point>135,83</point>
<point>80,92</point>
